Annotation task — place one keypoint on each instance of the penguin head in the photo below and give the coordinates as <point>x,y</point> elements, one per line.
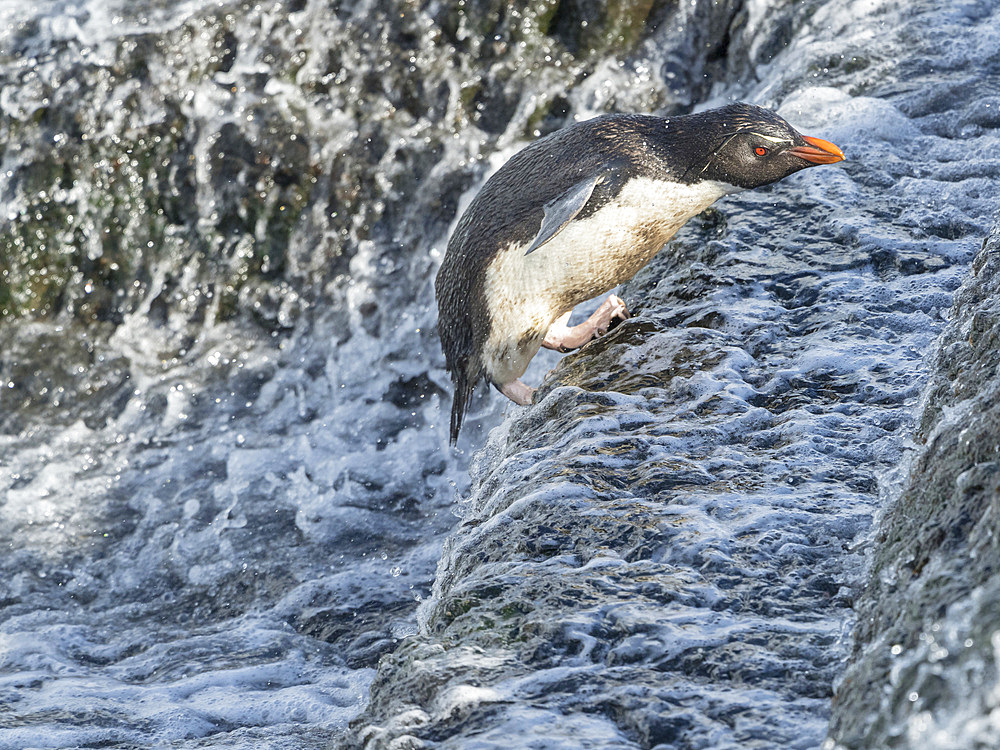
<point>750,146</point>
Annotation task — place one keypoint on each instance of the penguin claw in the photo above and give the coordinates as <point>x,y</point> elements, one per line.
<point>619,313</point>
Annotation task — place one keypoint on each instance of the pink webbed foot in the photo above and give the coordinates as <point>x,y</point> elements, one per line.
<point>564,338</point>
<point>518,392</point>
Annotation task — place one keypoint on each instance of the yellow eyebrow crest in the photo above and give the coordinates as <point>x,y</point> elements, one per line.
<point>773,139</point>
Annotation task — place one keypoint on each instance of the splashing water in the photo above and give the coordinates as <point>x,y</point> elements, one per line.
<point>225,474</point>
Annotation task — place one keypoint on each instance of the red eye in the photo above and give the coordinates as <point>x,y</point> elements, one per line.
<point>760,151</point>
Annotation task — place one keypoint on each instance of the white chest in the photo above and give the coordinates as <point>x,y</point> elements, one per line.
<point>525,294</point>
<point>593,255</point>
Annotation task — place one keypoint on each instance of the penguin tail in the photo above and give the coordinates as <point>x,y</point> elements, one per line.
<point>464,386</point>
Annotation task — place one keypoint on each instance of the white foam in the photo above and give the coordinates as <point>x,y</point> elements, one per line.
<point>172,567</point>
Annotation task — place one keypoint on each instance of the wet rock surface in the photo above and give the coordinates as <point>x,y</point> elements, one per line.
<point>226,481</point>
<point>925,643</point>
<point>665,549</point>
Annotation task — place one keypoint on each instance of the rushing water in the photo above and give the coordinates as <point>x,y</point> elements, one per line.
<point>926,643</point>
<point>223,412</point>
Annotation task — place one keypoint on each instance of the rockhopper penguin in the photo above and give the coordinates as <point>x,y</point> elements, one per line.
<point>580,211</point>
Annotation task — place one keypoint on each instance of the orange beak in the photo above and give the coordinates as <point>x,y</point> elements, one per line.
<point>818,151</point>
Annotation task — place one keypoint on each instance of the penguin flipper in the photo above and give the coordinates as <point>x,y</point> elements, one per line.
<point>562,210</point>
